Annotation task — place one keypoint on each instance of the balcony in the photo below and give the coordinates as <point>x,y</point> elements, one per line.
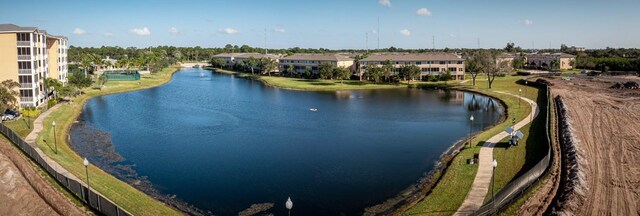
<point>24,57</point>
<point>26,85</point>
<point>24,43</point>
<point>26,99</point>
<point>25,71</point>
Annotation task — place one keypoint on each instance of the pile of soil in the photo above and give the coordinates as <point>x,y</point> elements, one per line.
<point>627,85</point>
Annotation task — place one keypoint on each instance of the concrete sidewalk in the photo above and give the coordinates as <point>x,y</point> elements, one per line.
<point>482,181</point>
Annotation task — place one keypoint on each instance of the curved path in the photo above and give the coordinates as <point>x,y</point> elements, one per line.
<point>38,125</point>
<point>482,182</point>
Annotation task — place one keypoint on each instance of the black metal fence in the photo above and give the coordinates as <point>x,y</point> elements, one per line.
<point>90,197</point>
<point>519,186</point>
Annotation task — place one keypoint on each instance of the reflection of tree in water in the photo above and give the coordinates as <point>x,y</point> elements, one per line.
<point>445,95</point>
<point>477,103</point>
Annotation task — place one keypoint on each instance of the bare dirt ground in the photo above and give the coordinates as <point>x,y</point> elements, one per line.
<point>25,192</point>
<point>605,126</point>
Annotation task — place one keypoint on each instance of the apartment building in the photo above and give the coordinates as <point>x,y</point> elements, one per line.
<point>429,63</point>
<point>28,55</point>
<point>312,61</point>
<point>229,58</point>
<point>544,60</point>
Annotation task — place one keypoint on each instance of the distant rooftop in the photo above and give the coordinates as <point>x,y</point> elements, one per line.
<point>318,57</point>
<point>432,56</point>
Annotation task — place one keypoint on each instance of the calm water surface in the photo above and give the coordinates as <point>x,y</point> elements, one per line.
<point>223,143</point>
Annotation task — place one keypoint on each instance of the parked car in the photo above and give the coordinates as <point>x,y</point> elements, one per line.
<point>7,117</point>
<point>12,112</point>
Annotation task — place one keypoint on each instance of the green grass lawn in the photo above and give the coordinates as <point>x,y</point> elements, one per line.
<point>454,185</point>
<point>314,84</point>
<point>22,126</point>
<point>118,191</point>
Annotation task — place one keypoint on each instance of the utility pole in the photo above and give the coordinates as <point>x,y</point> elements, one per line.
<point>478,42</point>
<point>265,41</point>
<point>366,40</point>
<point>378,31</point>
<point>433,41</point>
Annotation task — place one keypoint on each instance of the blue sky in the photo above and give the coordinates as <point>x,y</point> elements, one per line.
<point>334,24</point>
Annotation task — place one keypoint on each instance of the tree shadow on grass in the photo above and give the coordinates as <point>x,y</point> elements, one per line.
<point>323,84</point>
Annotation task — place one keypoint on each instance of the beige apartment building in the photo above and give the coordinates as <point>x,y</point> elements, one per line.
<point>565,61</point>
<point>312,61</point>
<point>28,55</point>
<point>429,63</point>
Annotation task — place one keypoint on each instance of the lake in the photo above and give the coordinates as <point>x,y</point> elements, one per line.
<point>222,143</point>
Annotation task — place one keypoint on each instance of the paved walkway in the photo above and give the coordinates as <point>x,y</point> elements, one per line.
<point>482,181</point>
<point>38,125</point>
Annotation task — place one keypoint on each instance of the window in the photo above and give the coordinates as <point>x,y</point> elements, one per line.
<point>23,36</point>
<point>453,69</point>
<point>24,65</point>
<point>25,79</point>
<point>442,62</point>
<point>418,63</point>
<point>459,62</point>
<point>24,51</point>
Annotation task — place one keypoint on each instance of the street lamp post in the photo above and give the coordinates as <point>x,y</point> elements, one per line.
<point>55,139</point>
<point>86,169</point>
<point>493,185</point>
<point>289,205</point>
<point>519,99</point>
<point>470,130</point>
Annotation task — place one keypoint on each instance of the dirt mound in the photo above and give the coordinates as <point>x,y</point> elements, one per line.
<point>601,136</point>
<point>627,85</point>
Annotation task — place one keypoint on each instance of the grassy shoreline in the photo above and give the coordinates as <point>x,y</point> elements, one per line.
<point>446,196</point>
<point>125,195</point>
<point>311,84</point>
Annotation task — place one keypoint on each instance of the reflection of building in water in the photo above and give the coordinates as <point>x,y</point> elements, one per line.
<point>453,97</point>
<point>344,95</point>
<point>458,98</point>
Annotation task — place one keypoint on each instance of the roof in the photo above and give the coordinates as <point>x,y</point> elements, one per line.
<point>257,55</point>
<point>506,55</point>
<point>226,55</point>
<point>432,56</point>
<point>15,28</point>
<point>558,55</point>
<point>318,57</point>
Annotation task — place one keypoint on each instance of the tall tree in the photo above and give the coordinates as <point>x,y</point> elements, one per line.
<point>9,94</point>
<point>217,62</point>
<point>492,70</point>
<point>475,65</point>
<point>251,62</point>
<point>357,62</point>
<point>325,70</point>
<point>291,70</point>
<point>387,69</point>
<point>268,65</point>
<point>342,73</point>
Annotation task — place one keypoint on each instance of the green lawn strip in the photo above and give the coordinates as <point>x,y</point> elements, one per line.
<point>118,191</point>
<point>313,84</point>
<point>453,187</point>
<point>22,126</point>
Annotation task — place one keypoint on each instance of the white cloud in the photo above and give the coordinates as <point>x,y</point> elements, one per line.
<point>528,22</point>
<point>79,31</point>
<point>423,12</point>
<point>108,34</point>
<point>386,3</point>
<point>405,32</point>
<point>279,30</point>
<point>228,31</point>
<point>174,31</point>
<point>144,31</point>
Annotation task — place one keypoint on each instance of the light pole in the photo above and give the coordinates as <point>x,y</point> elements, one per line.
<point>519,99</point>
<point>55,139</point>
<point>289,204</point>
<point>493,185</point>
<point>86,169</point>
<point>470,130</point>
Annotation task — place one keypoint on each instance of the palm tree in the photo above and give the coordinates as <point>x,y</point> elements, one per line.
<point>251,62</point>
<point>9,94</point>
<point>387,68</point>
<point>356,61</point>
<point>291,69</point>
